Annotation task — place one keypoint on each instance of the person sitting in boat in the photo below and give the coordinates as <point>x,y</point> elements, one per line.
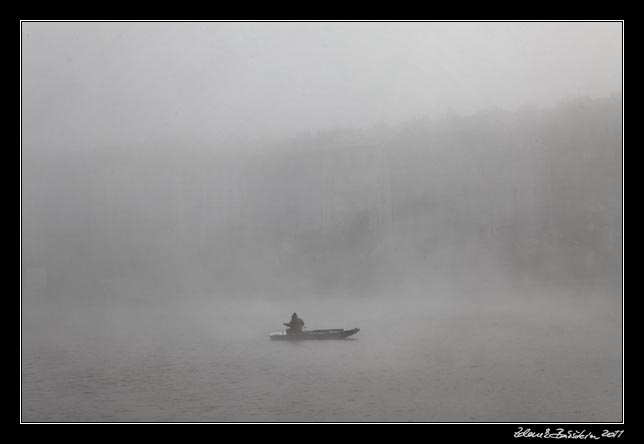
<point>295,326</point>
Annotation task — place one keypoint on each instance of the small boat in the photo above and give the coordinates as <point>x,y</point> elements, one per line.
<point>333,333</point>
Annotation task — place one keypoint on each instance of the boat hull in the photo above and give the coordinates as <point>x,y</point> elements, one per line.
<point>314,335</point>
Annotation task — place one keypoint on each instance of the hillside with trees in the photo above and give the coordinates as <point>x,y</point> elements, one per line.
<point>534,194</point>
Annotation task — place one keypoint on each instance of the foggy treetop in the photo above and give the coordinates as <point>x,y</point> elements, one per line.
<point>86,83</point>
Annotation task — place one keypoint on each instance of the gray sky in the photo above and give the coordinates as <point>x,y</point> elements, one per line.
<point>89,83</point>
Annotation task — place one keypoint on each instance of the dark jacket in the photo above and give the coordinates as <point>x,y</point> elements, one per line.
<point>296,323</point>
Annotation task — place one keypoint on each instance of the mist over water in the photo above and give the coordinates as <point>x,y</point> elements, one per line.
<point>430,359</point>
<point>476,242</point>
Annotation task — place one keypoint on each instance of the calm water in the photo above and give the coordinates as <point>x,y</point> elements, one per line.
<point>517,363</point>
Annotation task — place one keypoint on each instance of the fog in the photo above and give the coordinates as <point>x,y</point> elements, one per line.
<point>86,84</point>
<point>453,189</point>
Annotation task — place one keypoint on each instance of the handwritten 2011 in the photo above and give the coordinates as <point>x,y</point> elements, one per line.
<point>566,434</point>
